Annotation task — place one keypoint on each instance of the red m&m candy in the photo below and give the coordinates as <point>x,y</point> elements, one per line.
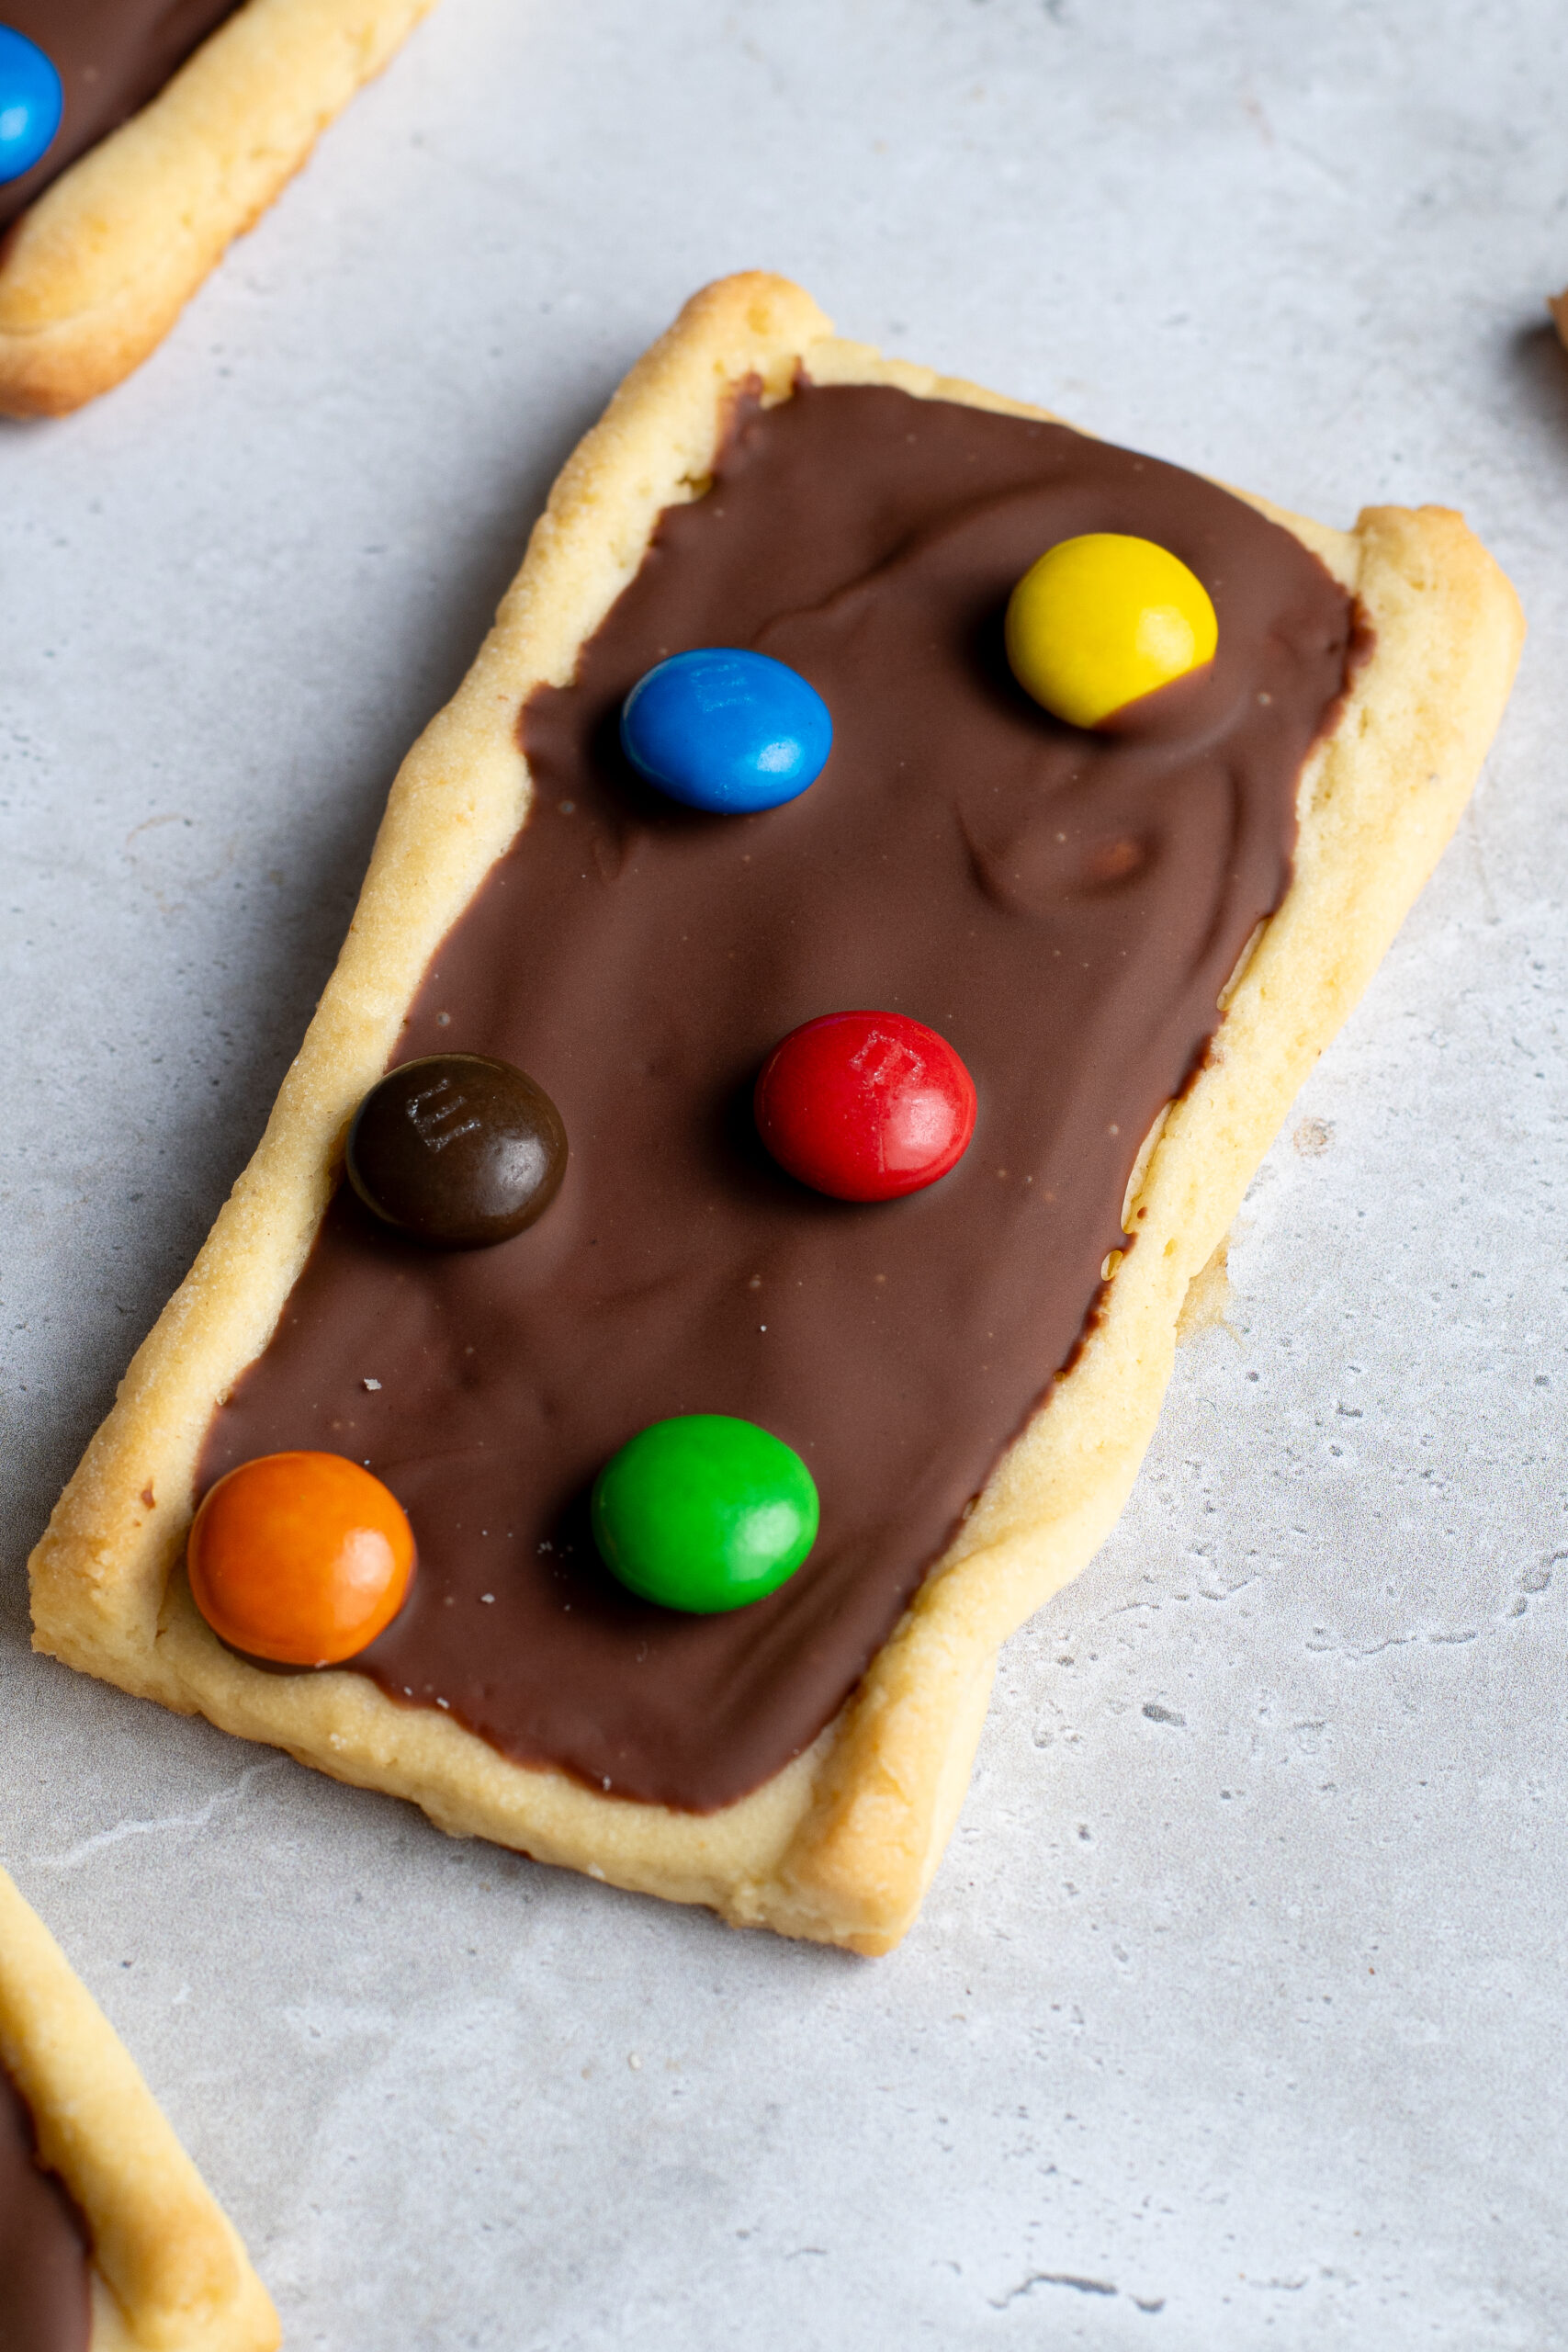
<point>865,1107</point>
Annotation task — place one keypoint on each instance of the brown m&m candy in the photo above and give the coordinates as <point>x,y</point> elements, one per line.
<point>458,1150</point>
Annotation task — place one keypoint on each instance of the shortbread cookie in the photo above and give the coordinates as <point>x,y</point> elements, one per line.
<point>108,2238</point>
<point>1138,943</point>
<point>108,249</point>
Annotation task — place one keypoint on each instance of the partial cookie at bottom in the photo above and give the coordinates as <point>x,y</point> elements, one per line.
<point>167,2267</point>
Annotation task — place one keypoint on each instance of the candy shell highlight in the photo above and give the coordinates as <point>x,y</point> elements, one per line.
<point>1101,621</point>
<point>705,1512</point>
<point>31,103</point>
<point>299,1558</point>
<point>725,730</point>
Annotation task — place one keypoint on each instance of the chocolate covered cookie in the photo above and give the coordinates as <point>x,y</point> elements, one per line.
<point>905,1101</point>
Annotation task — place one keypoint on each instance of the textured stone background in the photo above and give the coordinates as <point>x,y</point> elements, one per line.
<point>1236,2015</point>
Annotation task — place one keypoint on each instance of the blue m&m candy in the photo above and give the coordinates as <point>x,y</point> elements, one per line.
<point>726,730</point>
<point>31,104</point>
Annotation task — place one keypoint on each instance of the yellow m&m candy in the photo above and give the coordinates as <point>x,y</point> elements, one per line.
<point>1103,619</point>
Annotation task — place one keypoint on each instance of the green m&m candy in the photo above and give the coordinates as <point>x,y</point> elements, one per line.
<point>705,1512</point>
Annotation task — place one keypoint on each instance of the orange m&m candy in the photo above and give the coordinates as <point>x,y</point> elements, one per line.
<point>301,1558</point>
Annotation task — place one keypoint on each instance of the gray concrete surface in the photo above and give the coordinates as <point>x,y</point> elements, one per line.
<point>1236,2017</point>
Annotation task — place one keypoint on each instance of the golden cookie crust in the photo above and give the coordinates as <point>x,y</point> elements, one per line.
<point>841,1845</point>
<point>169,2273</point>
<point>98,269</point>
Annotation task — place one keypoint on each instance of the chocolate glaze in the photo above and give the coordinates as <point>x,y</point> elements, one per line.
<point>1065,908</point>
<point>111,56</point>
<point>45,2299</point>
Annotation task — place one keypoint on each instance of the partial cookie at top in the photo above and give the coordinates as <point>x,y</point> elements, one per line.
<point>840,1843</point>
<point>99,266</point>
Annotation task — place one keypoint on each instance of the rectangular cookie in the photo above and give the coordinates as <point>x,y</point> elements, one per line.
<point>163,2265</point>
<point>802,1771</point>
<point>100,264</point>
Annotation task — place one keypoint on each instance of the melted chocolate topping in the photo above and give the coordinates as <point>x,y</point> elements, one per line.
<point>1063,906</point>
<point>45,2303</point>
<point>111,57</point>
